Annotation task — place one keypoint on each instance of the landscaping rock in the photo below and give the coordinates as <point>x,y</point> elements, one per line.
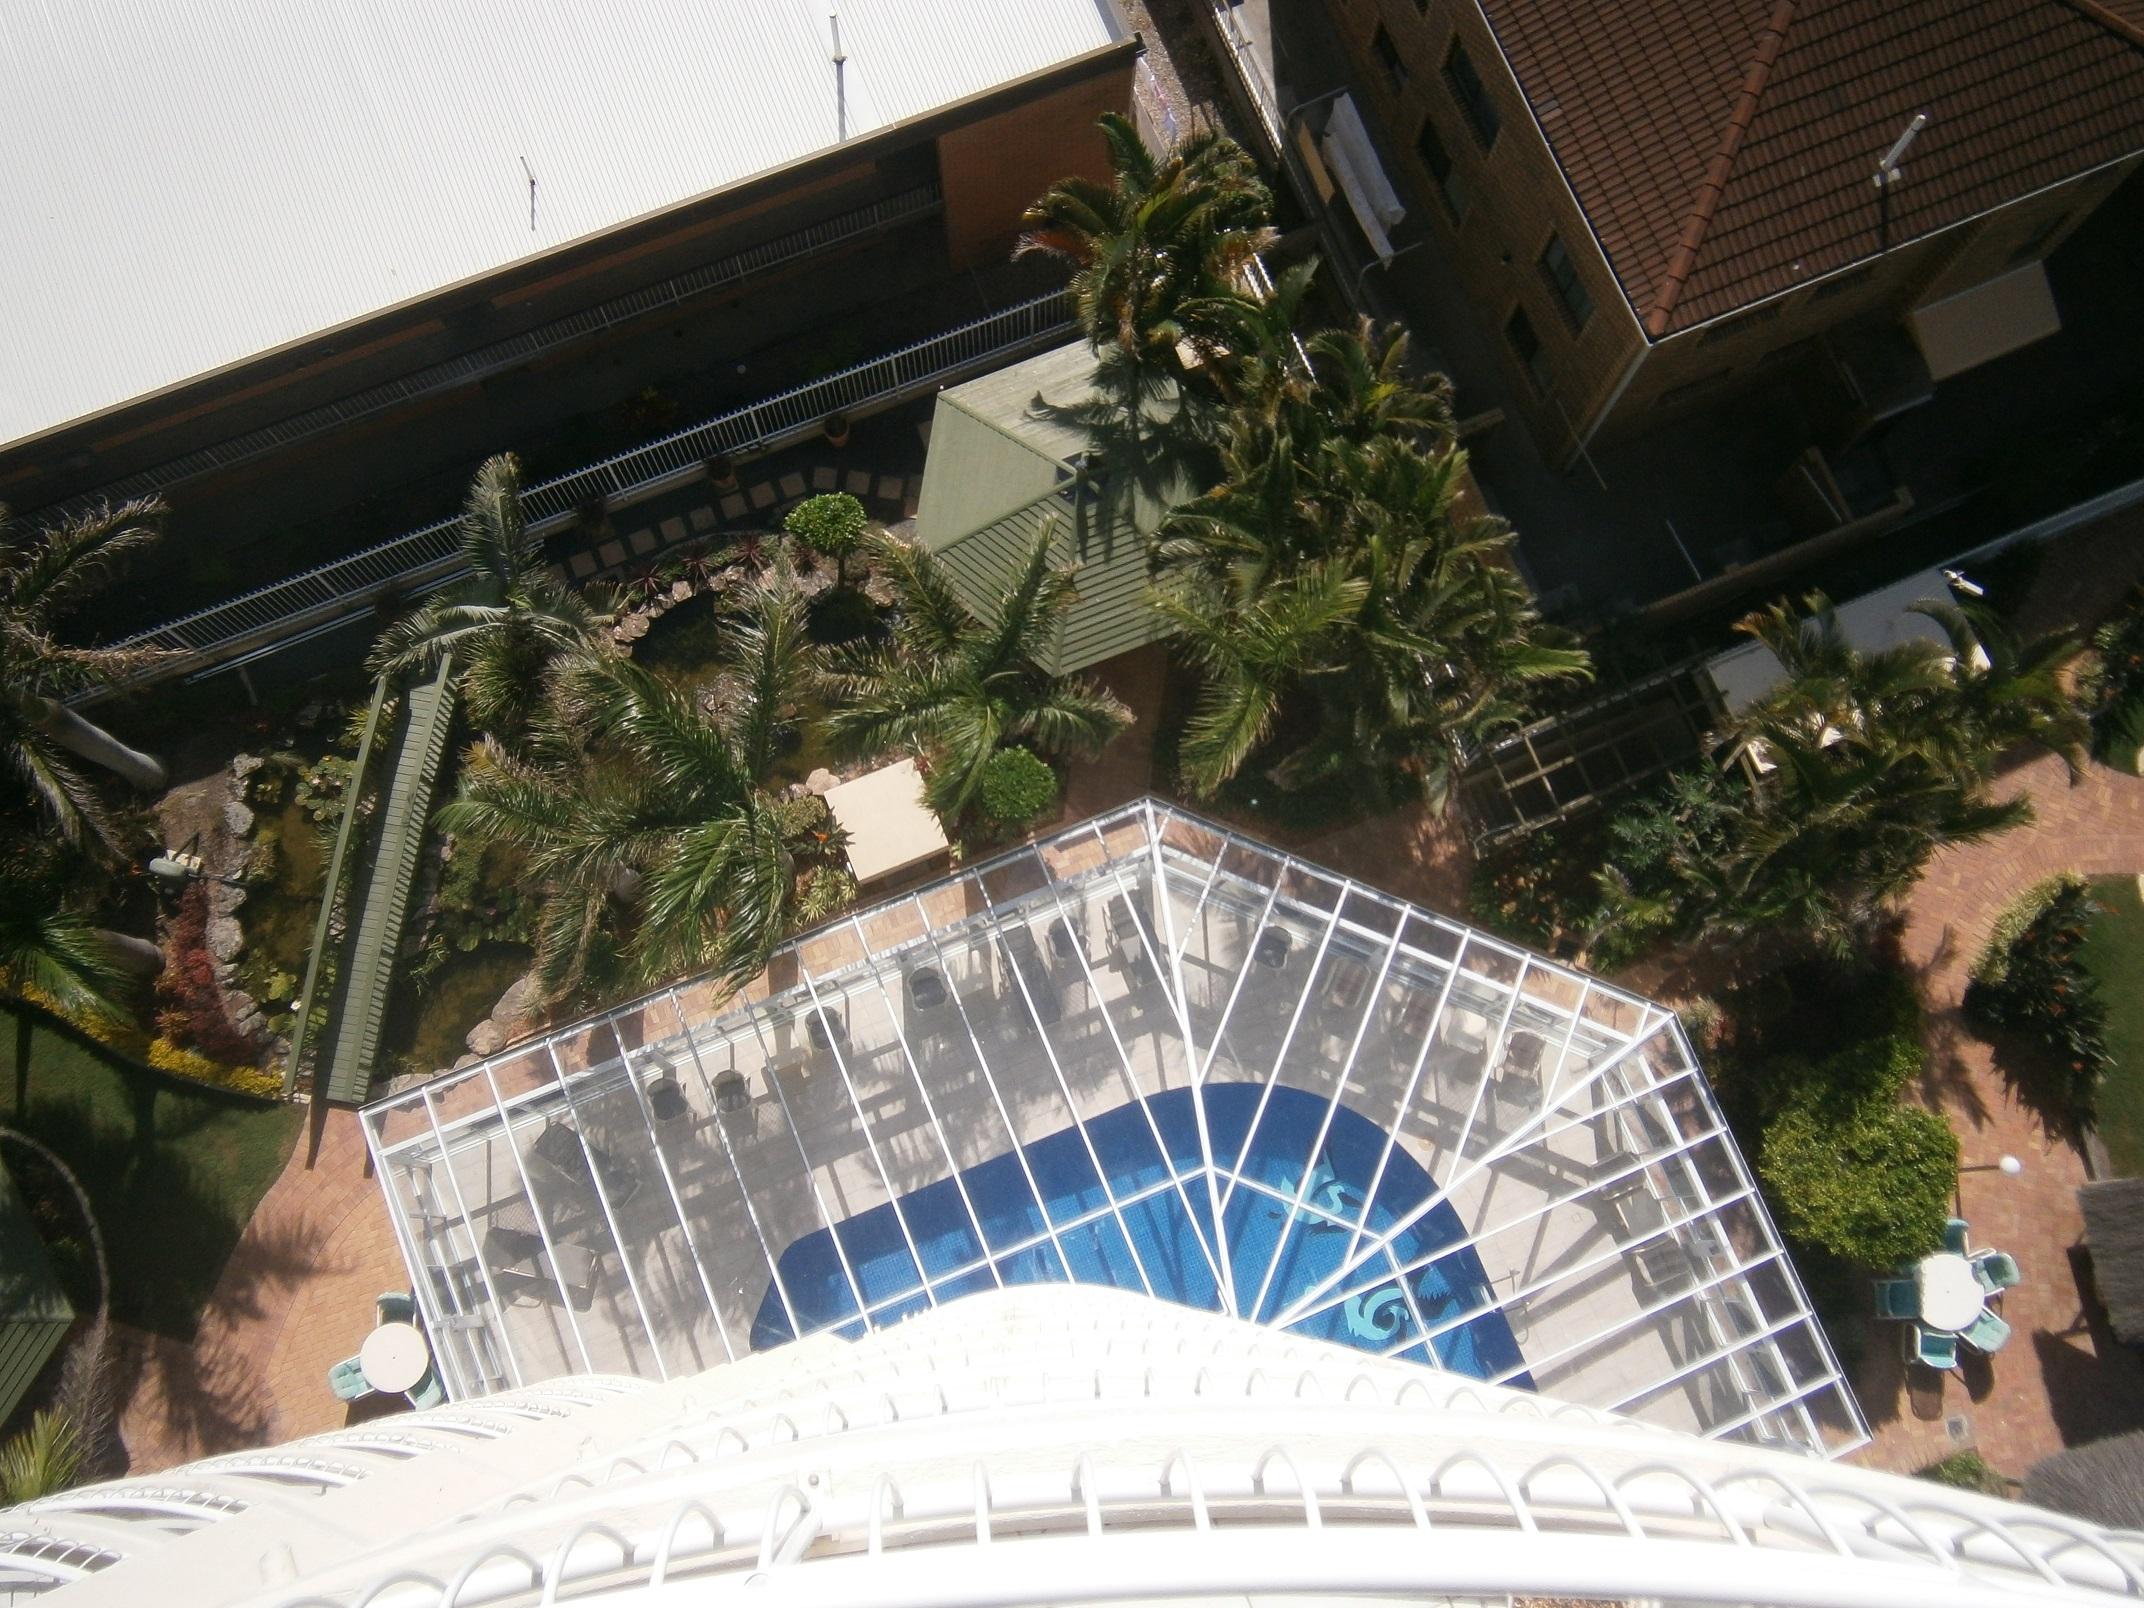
<point>820,782</point>
<point>468,1060</point>
<point>224,898</point>
<point>680,591</point>
<point>237,819</point>
<point>486,1038</point>
<point>226,941</point>
<point>516,1010</point>
<point>244,765</point>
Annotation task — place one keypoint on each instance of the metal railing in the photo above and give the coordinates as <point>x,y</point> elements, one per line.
<point>431,554</point>
<point>885,213</point>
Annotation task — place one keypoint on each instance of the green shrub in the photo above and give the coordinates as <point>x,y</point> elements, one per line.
<point>1016,787</point>
<point>2032,981</point>
<point>1540,890</point>
<point>1965,1471</point>
<point>2113,690</point>
<point>832,524</point>
<point>1870,1181</point>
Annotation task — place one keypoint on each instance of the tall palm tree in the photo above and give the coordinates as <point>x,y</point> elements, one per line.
<point>640,809</point>
<point>1862,766</point>
<point>45,573</point>
<point>1347,618</point>
<point>506,622</point>
<point>48,949</point>
<point>954,685</point>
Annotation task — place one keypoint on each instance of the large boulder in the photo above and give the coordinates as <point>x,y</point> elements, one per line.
<point>486,1038</point>
<point>516,1011</point>
<point>237,818</point>
<point>226,939</point>
<point>821,782</point>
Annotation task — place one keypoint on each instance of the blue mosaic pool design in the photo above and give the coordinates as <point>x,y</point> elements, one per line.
<point>1288,1250</point>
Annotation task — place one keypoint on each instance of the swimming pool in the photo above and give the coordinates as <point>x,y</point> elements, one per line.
<point>1046,1217</point>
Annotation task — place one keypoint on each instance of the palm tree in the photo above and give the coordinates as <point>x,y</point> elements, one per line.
<point>1346,618</point>
<point>954,685</point>
<point>44,574</point>
<point>51,1454</point>
<point>49,950</point>
<point>640,809</point>
<point>1861,766</point>
<point>507,622</point>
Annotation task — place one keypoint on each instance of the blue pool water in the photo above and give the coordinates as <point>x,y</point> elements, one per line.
<point>1169,1231</point>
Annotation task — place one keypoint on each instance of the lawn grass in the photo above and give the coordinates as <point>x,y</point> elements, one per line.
<point>173,1172</point>
<point>2114,953</point>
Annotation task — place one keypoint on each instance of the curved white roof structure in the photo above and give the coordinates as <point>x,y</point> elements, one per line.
<point>189,186</point>
<point>1146,1053</point>
<point>1041,1445</point>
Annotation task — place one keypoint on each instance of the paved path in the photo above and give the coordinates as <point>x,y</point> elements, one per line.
<point>2057,1382</point>
<point>295,1298</point>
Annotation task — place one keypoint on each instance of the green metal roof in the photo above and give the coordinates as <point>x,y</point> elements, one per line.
<point>34,1310</point>
<point>1008,453</point>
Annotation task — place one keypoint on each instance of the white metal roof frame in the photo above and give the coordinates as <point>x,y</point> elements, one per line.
<point>1606,1057</point>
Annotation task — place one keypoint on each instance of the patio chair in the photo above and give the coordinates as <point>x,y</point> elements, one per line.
<point>1954,1236</point>
<point>1988,1334</point>
<point>1996,1271</point>
<point>347,1379</point>
<point>1897,1298</point>
<point>429,1392</point>
<point>394,1306</point>
<point>1931,1348</point>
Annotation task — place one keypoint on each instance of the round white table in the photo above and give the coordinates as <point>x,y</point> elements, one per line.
<point>1951,1298</point>
<point>395,1358</point>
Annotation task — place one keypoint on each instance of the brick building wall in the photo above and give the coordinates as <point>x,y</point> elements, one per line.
<point>992,169</point>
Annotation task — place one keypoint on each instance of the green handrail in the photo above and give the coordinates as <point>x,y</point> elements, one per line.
<point>332,885</point>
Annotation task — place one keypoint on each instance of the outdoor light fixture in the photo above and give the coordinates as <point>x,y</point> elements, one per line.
<point>1961,582</point>
<point>2008,1166</point>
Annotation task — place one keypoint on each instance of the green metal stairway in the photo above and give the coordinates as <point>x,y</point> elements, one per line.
<point>380,900</point>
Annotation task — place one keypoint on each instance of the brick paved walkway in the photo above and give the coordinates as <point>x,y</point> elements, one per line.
<point>295,1298</point>
<point>2057,1382</point>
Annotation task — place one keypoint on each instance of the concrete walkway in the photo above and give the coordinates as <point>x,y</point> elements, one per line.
<point>2061,1379</point>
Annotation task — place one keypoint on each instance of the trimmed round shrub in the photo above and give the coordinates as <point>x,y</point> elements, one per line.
<point>1870,1182</point>
<point>832,523</point>
<point>1016,787</point>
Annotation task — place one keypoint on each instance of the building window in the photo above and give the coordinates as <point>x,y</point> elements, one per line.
<point>1472,95</point>
<point>1388,57</point>
<point>1429,146</point>
<point>1562,276</point>
<point>1519,330</point>
<point>2034,245</point>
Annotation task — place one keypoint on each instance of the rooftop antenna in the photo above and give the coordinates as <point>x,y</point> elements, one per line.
<point>1888,175</point>
<point>841,91</point>
<point>531,172</point>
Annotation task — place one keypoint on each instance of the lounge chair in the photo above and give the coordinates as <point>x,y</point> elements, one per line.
<point>429,1392</point>
<point>1996,1270</point>
<point>347,1379</point>
<point>1930,1347</point>
<point>1897,1298</point>
<point>394,1306</point>
<point>1988,1334</point>
<point>1954,1236</point>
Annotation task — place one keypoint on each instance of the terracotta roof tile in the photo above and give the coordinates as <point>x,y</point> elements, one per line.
<point>1723,150</point>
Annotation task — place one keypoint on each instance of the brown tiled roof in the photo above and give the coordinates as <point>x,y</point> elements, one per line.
<point>1724,150</point>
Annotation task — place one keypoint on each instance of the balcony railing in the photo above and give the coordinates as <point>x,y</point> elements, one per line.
<point>274,615</point>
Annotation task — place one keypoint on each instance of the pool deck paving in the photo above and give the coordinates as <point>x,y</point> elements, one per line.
<point>2062,1379</point>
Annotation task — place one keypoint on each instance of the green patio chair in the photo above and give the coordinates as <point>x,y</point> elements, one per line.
<point>394,1306</point>
<point>1897,1298</point>
<point>1996,1271</point>
<point>1931,1348</point>
<point>1987,1334</point>
<point>347,1379</point>
<point>1954,1236</point>
<point>430,1391</point>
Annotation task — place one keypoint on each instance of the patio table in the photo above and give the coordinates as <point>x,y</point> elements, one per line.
<point>395,1358</point>
<point>1951,1298</point>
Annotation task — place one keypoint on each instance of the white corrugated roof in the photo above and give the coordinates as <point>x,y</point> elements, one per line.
<point>188,185</point>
